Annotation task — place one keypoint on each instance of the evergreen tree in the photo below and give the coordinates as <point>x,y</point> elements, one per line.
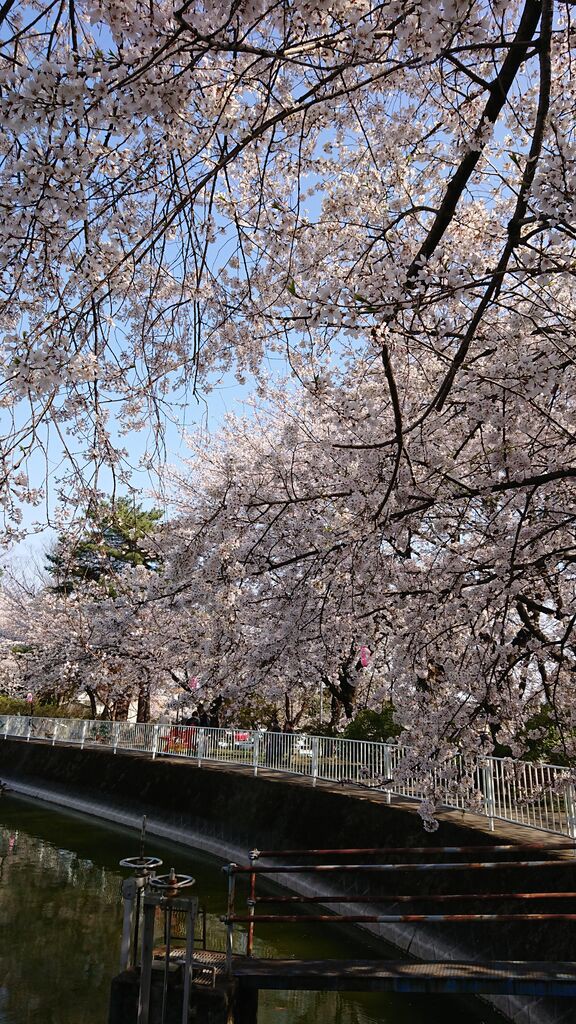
<point>117,536</point>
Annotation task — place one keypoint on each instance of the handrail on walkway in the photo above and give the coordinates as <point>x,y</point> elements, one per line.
<point>536,795</point>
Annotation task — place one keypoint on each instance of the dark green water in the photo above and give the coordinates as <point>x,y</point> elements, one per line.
<point>60,924</point>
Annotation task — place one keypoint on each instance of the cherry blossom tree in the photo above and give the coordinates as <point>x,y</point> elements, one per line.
<point>292,562</point>
<point>188,187</point>
<point>378,199</point>
<point>102,642</point>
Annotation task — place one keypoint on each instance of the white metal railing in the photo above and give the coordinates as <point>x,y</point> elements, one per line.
<point>537,795</point>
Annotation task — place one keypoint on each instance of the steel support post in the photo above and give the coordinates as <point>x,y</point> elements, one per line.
<point>189,963</point>
<point>246,1005</point>
<point>168,945</point>
<point>141,883</point>
<point>129,898</point>
<point>229,915</point>
<point>146,963</point>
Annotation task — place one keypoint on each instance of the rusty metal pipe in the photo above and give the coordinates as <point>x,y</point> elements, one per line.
<point>428,897</point>
<point>252,901</point>
<point>566,845</point>
<point>394,918</point>
<point>311,869</point>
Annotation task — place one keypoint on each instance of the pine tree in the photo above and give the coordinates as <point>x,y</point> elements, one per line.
<point>117,536</point>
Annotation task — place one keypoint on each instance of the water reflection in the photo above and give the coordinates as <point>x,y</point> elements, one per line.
<point>60,923</point>
<point>59,927</point>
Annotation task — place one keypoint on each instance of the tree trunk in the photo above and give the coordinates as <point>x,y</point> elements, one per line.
<point>92,699</point>
<point>336,711</point>
<point>143,712</point>
<point>120,709</point>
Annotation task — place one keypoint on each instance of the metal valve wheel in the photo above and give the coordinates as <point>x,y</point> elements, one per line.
<point>141,864</point>
<point>172,882</point>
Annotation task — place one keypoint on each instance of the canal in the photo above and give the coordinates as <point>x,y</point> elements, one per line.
<point>60,923</point>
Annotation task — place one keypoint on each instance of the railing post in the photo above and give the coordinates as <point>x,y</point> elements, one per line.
<point>55,733</point>
<point>83,737</point>
<point>256,751</point>
<point>315,742</point>
<point>388,772</point>
<point>489,798</point>
<point>154,741</point>
<point>200,754</point>
<point>29,730</point>
<point>116,730</point>
<point>570,803</point>
<point>6,720</point>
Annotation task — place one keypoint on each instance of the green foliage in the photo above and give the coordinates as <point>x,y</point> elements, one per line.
<point>541,737</point>
<point>252,713</point>
<point>114,540</point>
<point>318,728</point>
<point>378,726</point>
<point>18,706</point>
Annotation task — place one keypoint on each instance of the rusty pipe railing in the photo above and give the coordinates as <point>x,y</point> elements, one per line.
<point>308,869</point>
<point>253,870</point>
<point>394,918</point>
<point>376,851</point>
<point>424,898</point>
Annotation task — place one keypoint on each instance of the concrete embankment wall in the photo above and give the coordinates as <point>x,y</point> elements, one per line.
<point>228,812</point>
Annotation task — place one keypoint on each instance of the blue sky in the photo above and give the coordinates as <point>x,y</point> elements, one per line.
<point>205,413</point>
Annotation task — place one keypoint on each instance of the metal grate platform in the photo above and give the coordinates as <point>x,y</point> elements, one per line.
<point>206,965</point>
